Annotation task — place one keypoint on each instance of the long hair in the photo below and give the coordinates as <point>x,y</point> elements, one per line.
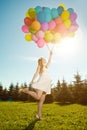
<point>40,63</point>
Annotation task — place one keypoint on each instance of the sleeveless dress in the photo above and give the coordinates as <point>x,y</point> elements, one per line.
<point>44,82</point>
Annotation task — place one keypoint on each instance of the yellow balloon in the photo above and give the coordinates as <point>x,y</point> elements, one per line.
<point>67,23</point>
<point>27,15</point>
<point>56,38</point>
<point>32,12</point>
<point>48,37</point>
<point>65,15</point>
<point>62,5</point>
<point>28,37</point>
<point>71,34</point>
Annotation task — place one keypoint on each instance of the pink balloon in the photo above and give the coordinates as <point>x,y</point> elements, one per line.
<point>34,38</point>
<point>25,29</point>
<point>73,16</point>
<point>52,24</point>
<point>40,34</point>
<point>40,42</point>
<point>44,26</point>
<point>73,28</point>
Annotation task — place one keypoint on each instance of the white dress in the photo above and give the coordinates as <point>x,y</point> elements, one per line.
<point>44,82</point>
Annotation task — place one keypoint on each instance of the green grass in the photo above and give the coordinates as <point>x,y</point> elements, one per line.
<point>21,116</point>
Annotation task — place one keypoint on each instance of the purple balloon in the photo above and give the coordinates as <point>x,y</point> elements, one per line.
<point>44,26</point>
<point>73,16</point>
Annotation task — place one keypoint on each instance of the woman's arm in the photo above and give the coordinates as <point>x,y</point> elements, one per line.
<point>49,60</point>
<point>36,74</point>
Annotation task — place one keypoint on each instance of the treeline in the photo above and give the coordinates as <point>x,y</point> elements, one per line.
<point>75,92</point>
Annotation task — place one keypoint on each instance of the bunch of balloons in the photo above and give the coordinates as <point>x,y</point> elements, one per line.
<point>44,25</point>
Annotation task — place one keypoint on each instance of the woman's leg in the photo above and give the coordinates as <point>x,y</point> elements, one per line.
<point>40,103</point>
<point>36,95</point>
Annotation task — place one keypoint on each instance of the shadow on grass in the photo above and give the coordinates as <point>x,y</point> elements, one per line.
<point>31,125</point>
<point>63,104</point>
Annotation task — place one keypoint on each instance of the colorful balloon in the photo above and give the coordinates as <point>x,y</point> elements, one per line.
<point>73,16</point>
<point>45,25</point>
<point>25,29</point>
<point>65,15</point>
<point>27,21</point>
<point>32,12</point>
<point>28,37</point>
<point>40,42</point>
<point>36,25</point>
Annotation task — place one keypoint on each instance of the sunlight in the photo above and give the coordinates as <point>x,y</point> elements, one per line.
<point>69,46</point>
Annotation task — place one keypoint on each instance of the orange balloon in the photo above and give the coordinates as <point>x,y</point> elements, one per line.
<point>36,26</point>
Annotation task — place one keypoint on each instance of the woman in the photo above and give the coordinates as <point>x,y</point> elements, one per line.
<point>42,86</point>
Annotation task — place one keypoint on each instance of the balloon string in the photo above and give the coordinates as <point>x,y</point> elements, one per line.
<point>48,47</point>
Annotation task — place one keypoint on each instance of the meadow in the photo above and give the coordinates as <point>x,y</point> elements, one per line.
<point>21,116</point>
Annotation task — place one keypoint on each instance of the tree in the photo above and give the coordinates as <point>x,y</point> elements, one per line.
<point>64,94</point>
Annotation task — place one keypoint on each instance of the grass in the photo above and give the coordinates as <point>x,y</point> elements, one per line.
<point>21,116</point>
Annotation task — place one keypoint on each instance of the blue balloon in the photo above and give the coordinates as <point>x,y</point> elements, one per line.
<point>54,13</point>
<point>71,10</point>
<point>60,10</point>
<point>38,9</point>
<point>47,10</point>
<point>41,17</point>
<point>47,17</point>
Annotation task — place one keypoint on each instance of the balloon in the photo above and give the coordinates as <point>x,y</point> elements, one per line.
<point>40,42</point>
<point>73,28</point>
<point>25,29</point>
<point>56,38</point>
<point>73,16</point>
<point>27,15</point>
<point>48,36</point>
<point>47,10</point>
<point>71,10</point>
<point>40,34</point>
<point>54,13</point>
<point>63,5</point>
<point>32,12</point>
<point>65,15</point>
<point>34,38</point>
<point>58,21</point>
<point>28,37</point>
<point>47,16</point>
<point>67,23</point>
<point>27,21</point>
<point>32,30</point>
<point>38,9</point>
<point>51,25</point>
<point>41,17</point>
<point>44,26</point>
<point>60,10</point>
<point>36,25</point>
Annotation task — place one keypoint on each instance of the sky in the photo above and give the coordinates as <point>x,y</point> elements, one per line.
<point>18,58</point>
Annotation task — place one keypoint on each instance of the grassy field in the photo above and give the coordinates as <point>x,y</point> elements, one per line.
<point>21,116</point>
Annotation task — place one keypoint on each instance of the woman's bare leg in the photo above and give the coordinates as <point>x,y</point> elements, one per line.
<point>36,95</point>
<point>40,103</point>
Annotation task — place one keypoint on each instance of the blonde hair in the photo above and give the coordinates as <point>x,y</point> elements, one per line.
<point>40,63</point>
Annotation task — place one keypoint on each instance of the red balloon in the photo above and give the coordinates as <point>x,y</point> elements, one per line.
<point>28,21</point>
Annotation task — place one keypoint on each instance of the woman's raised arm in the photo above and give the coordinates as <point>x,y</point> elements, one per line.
<point>49,60</point>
